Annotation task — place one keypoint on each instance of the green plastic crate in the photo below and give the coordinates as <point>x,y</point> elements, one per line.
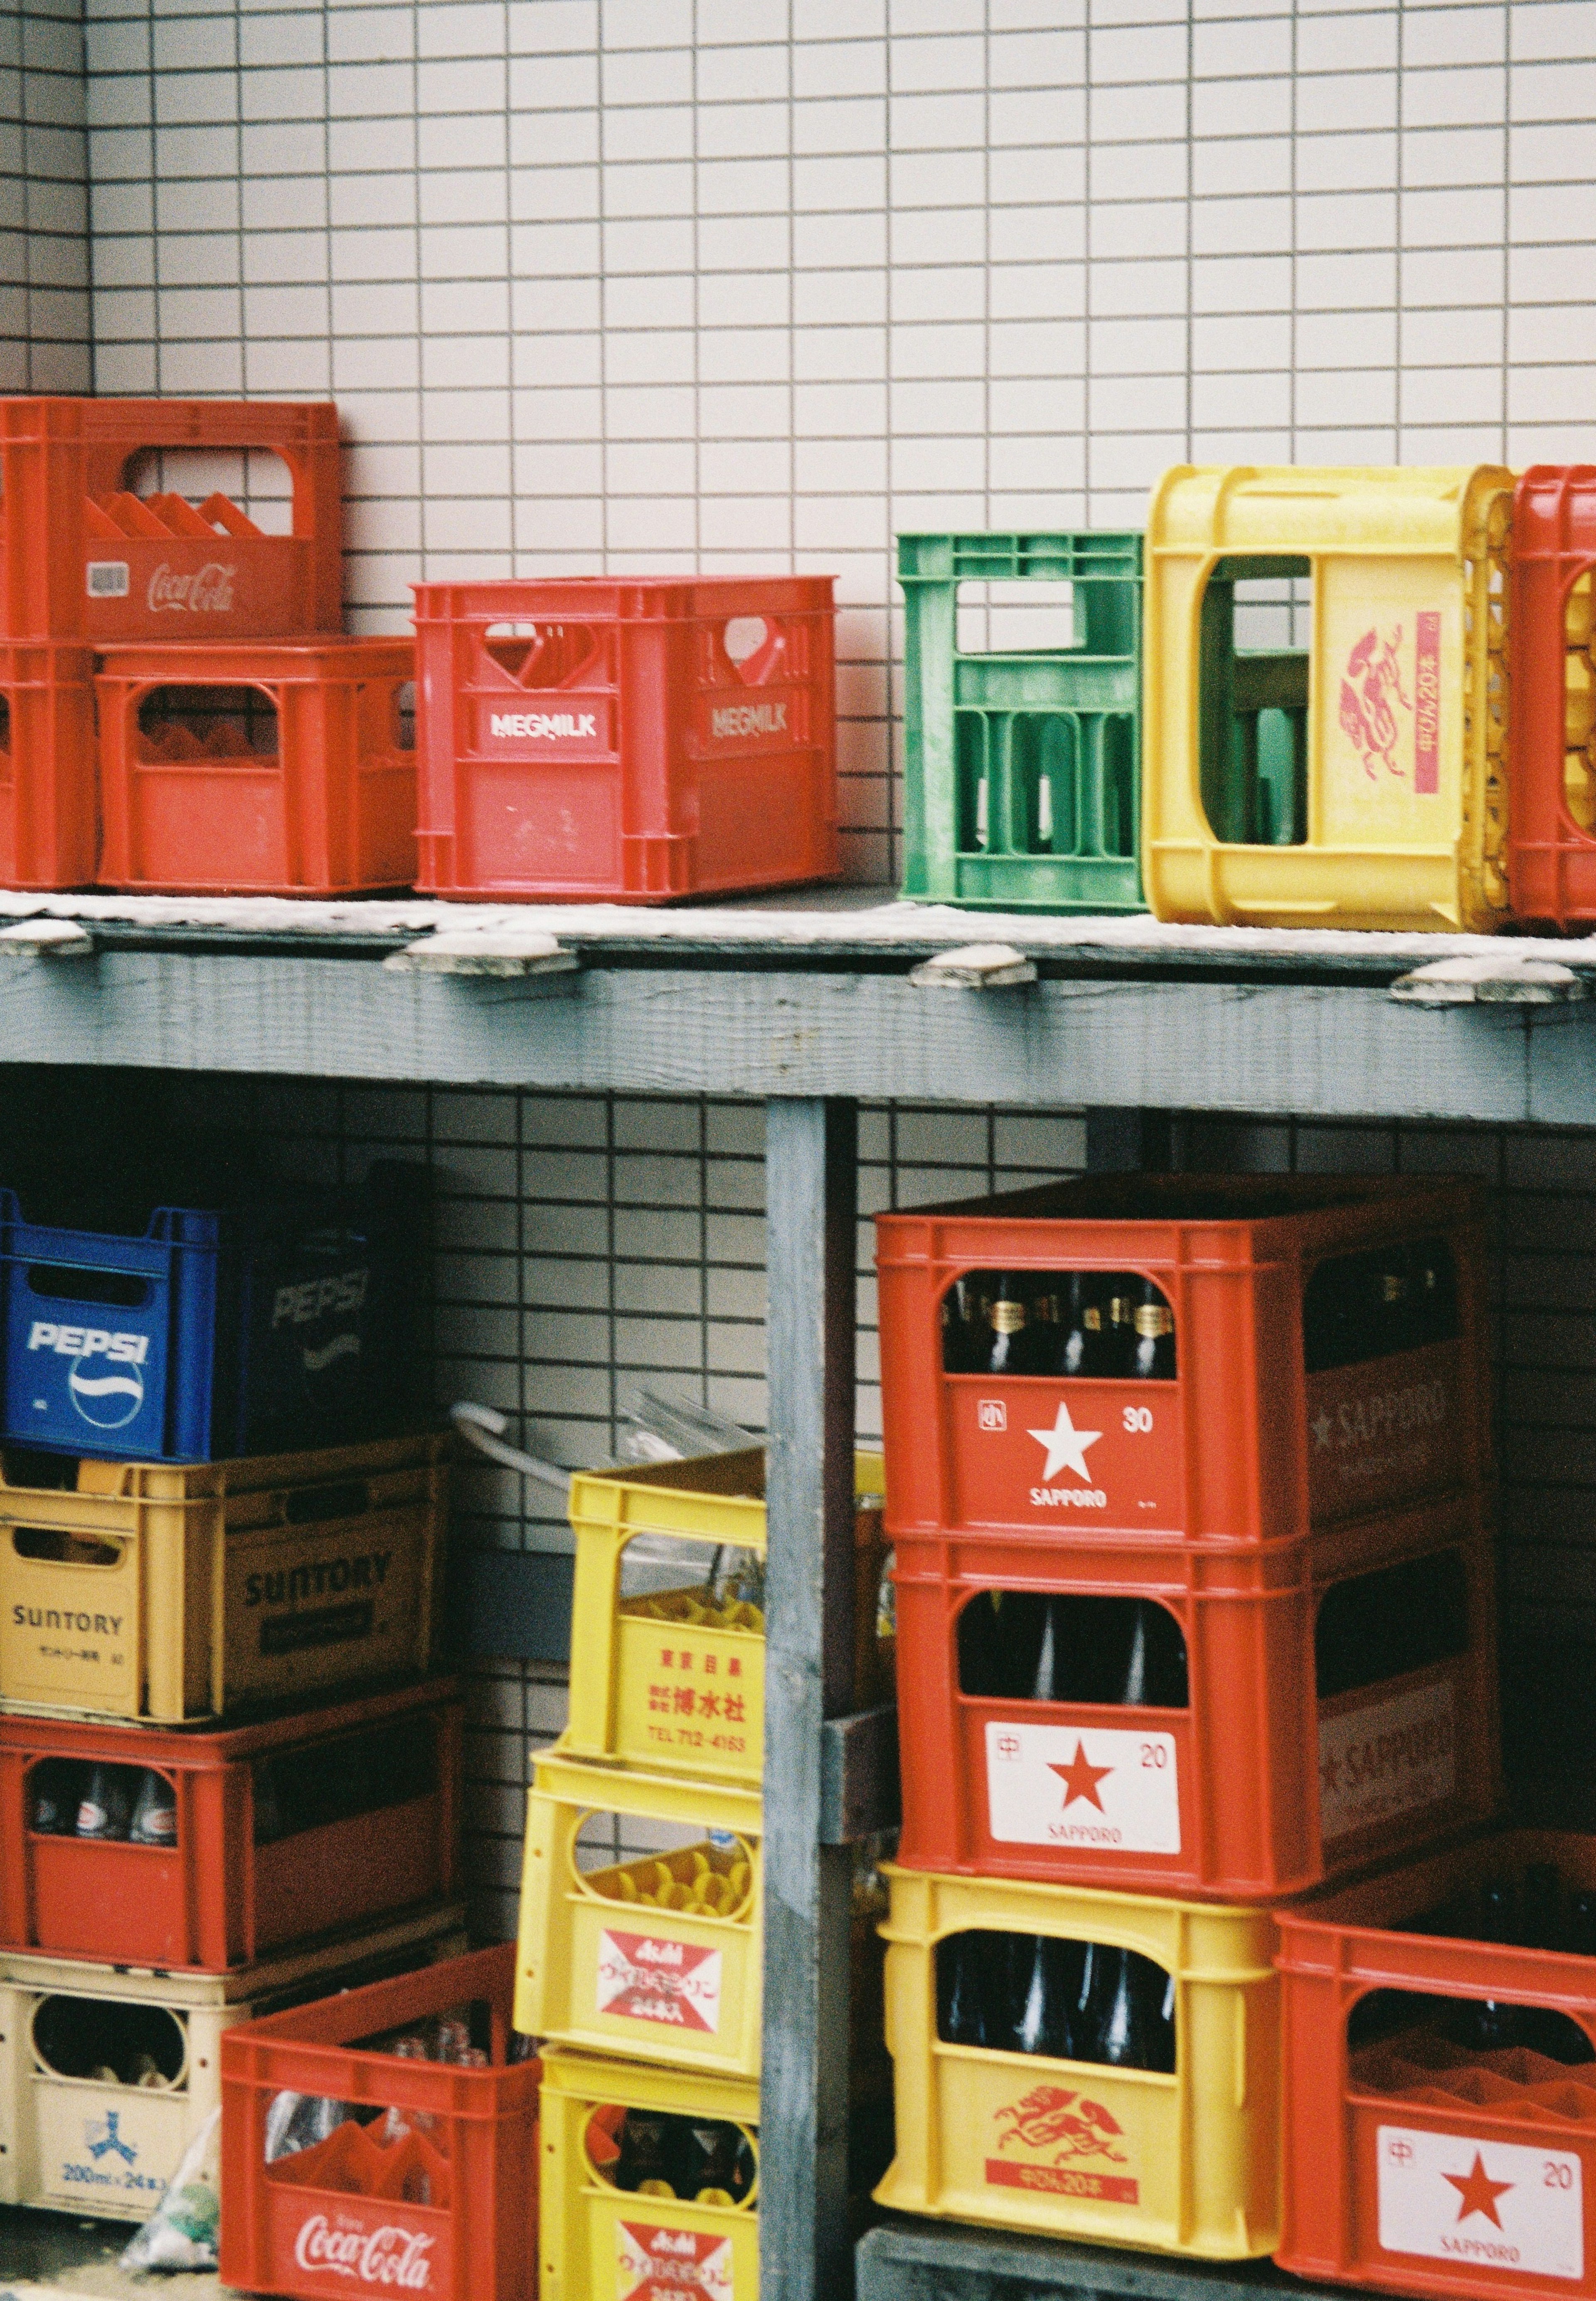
<point>1023,769</point>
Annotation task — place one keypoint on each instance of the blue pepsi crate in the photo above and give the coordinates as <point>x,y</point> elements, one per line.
<point>216,1333</point>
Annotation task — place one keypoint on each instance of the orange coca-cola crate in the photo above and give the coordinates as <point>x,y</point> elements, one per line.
<point>1440,2124</point>
<point>449,2208</point>
<point>84,557</point>
<point>1551,623</point>
<point>1249,1441</point>
<point>626,742</point>
<point>48,810</point>
<point>322,1820</point>
<point>277,767</point>
<point>1305,1706</point>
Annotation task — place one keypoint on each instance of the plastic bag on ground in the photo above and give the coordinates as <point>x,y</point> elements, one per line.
<point>181,2231</point>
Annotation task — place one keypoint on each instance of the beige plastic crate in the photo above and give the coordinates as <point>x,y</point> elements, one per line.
<point>171,1591</point>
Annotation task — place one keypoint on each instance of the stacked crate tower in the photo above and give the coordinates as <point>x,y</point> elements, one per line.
<point>642,1898</point>
<point>180,710</point>
<point>228,1780</point>
<point>1188,1489</point>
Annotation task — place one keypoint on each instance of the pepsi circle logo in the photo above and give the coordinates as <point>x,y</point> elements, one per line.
<point>108,1398</point>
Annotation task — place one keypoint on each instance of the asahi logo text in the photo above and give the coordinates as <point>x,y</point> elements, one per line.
<point>388,2256</point>
<point>749,719</point>
<point>545,726</point>
<point>208,591</point>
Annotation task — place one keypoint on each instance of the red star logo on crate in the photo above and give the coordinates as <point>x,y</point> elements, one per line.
<point>1080,1779</point>
<point>1478,2191</point>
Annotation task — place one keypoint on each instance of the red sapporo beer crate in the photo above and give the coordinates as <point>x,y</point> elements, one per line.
<point>49,825</point>
<point>276,767</point>
<point>334,2218</point>
<point>626,742</point>
<point>1551,622</point>
<point>1254,1787</point>
<point>83,557</point>
<point>1243,1446</point>
<point>1413,2164</point>
<point>326,1820</point>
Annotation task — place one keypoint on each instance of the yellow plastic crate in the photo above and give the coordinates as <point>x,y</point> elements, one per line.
<point>654,1682</point>
<point>74,2143</point>
<point>1357,782</point>
<point>602,1966</point>
<point>170,1591</point>
<point>599,2243</point>
<point>1188,2163</point>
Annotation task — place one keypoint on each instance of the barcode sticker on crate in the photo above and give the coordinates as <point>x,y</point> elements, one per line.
<point>1096,1786</point>
<point>684,2264</point>
<point>1386,1757</point>
<point>1490,2203</point>
<point>108,579</point>
<point>652,1978</point>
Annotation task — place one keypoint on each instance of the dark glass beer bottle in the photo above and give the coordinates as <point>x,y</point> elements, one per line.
<point>1073,1351</point>
<point>645,2162</point>
<point>1155,1671</point>
<point>1007,1316</point>
<point>1153,1356</point>
<point>962,1340</point>
<point>1120,1340</point>
<point>964,1988</point>
<point>1042,2021</point>
<point>1488,2025</point>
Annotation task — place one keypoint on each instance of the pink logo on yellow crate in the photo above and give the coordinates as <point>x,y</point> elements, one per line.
<point>1387,724</point>
<point>671,2264</point>
<point>648,1979</point>
<point>1071,2131</point>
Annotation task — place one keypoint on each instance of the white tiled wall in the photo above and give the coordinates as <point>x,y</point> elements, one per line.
<point>44,228</point>
<point>635,284</point>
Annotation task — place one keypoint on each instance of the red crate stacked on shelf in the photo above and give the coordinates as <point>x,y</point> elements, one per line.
<point>632,742</point>
<point>1189,1490</point>
<point>245,745</point>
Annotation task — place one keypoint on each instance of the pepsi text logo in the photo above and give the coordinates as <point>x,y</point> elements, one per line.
<point>108,1401</point>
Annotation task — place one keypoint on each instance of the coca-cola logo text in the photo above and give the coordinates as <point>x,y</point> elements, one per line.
<point>388,2256</point>
<point>208,591</point>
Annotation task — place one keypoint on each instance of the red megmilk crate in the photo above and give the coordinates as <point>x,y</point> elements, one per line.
<point>277,767</point>
<point>626,742</point>
<point>48,810</point>
<point>1281,1739</point>
<point>342,2215</point>
<point>82,557</point>
<point>307,1825</point>
<point>1419,2158</point>
<point>1551,623</point>
<point>1244,1445</point>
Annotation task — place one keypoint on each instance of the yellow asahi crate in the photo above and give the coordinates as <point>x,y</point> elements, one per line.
<point>660,1679</point>
<point>597,2240</point>
<point>166,1591</point>
<point>655,1956</point>
<point>1186,2161</point>
<point>77,2142</point>
<point>1336,760</point>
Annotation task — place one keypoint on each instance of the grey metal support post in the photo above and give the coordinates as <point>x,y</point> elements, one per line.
<point>811,1184</point>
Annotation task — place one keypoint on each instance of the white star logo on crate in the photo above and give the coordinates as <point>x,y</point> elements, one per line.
<point>1322,1429</point>
<point>1066,1445</point>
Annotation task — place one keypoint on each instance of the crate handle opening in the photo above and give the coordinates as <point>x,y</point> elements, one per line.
<point>341,1498</point>
<point>53,1545</point>
<point>144,2047</point>
<point>69,1282</point>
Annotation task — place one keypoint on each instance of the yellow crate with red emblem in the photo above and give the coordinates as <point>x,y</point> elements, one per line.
<point>641,1916</point>
<point>1184,2159</point>
<point>600,2239</point>
<point>1325,697</point>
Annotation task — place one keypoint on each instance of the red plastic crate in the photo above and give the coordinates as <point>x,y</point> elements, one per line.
<point>82,558</point>
<point>215,1900</point>
<point>301,2227</point>
<point>49,825</point>
<point>1243,1446</point>
<point>1551,622</point>
<point>1253,1789</point>
<point>629,742</point>
<point>191,806</point>
<point>1412,2164</point>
